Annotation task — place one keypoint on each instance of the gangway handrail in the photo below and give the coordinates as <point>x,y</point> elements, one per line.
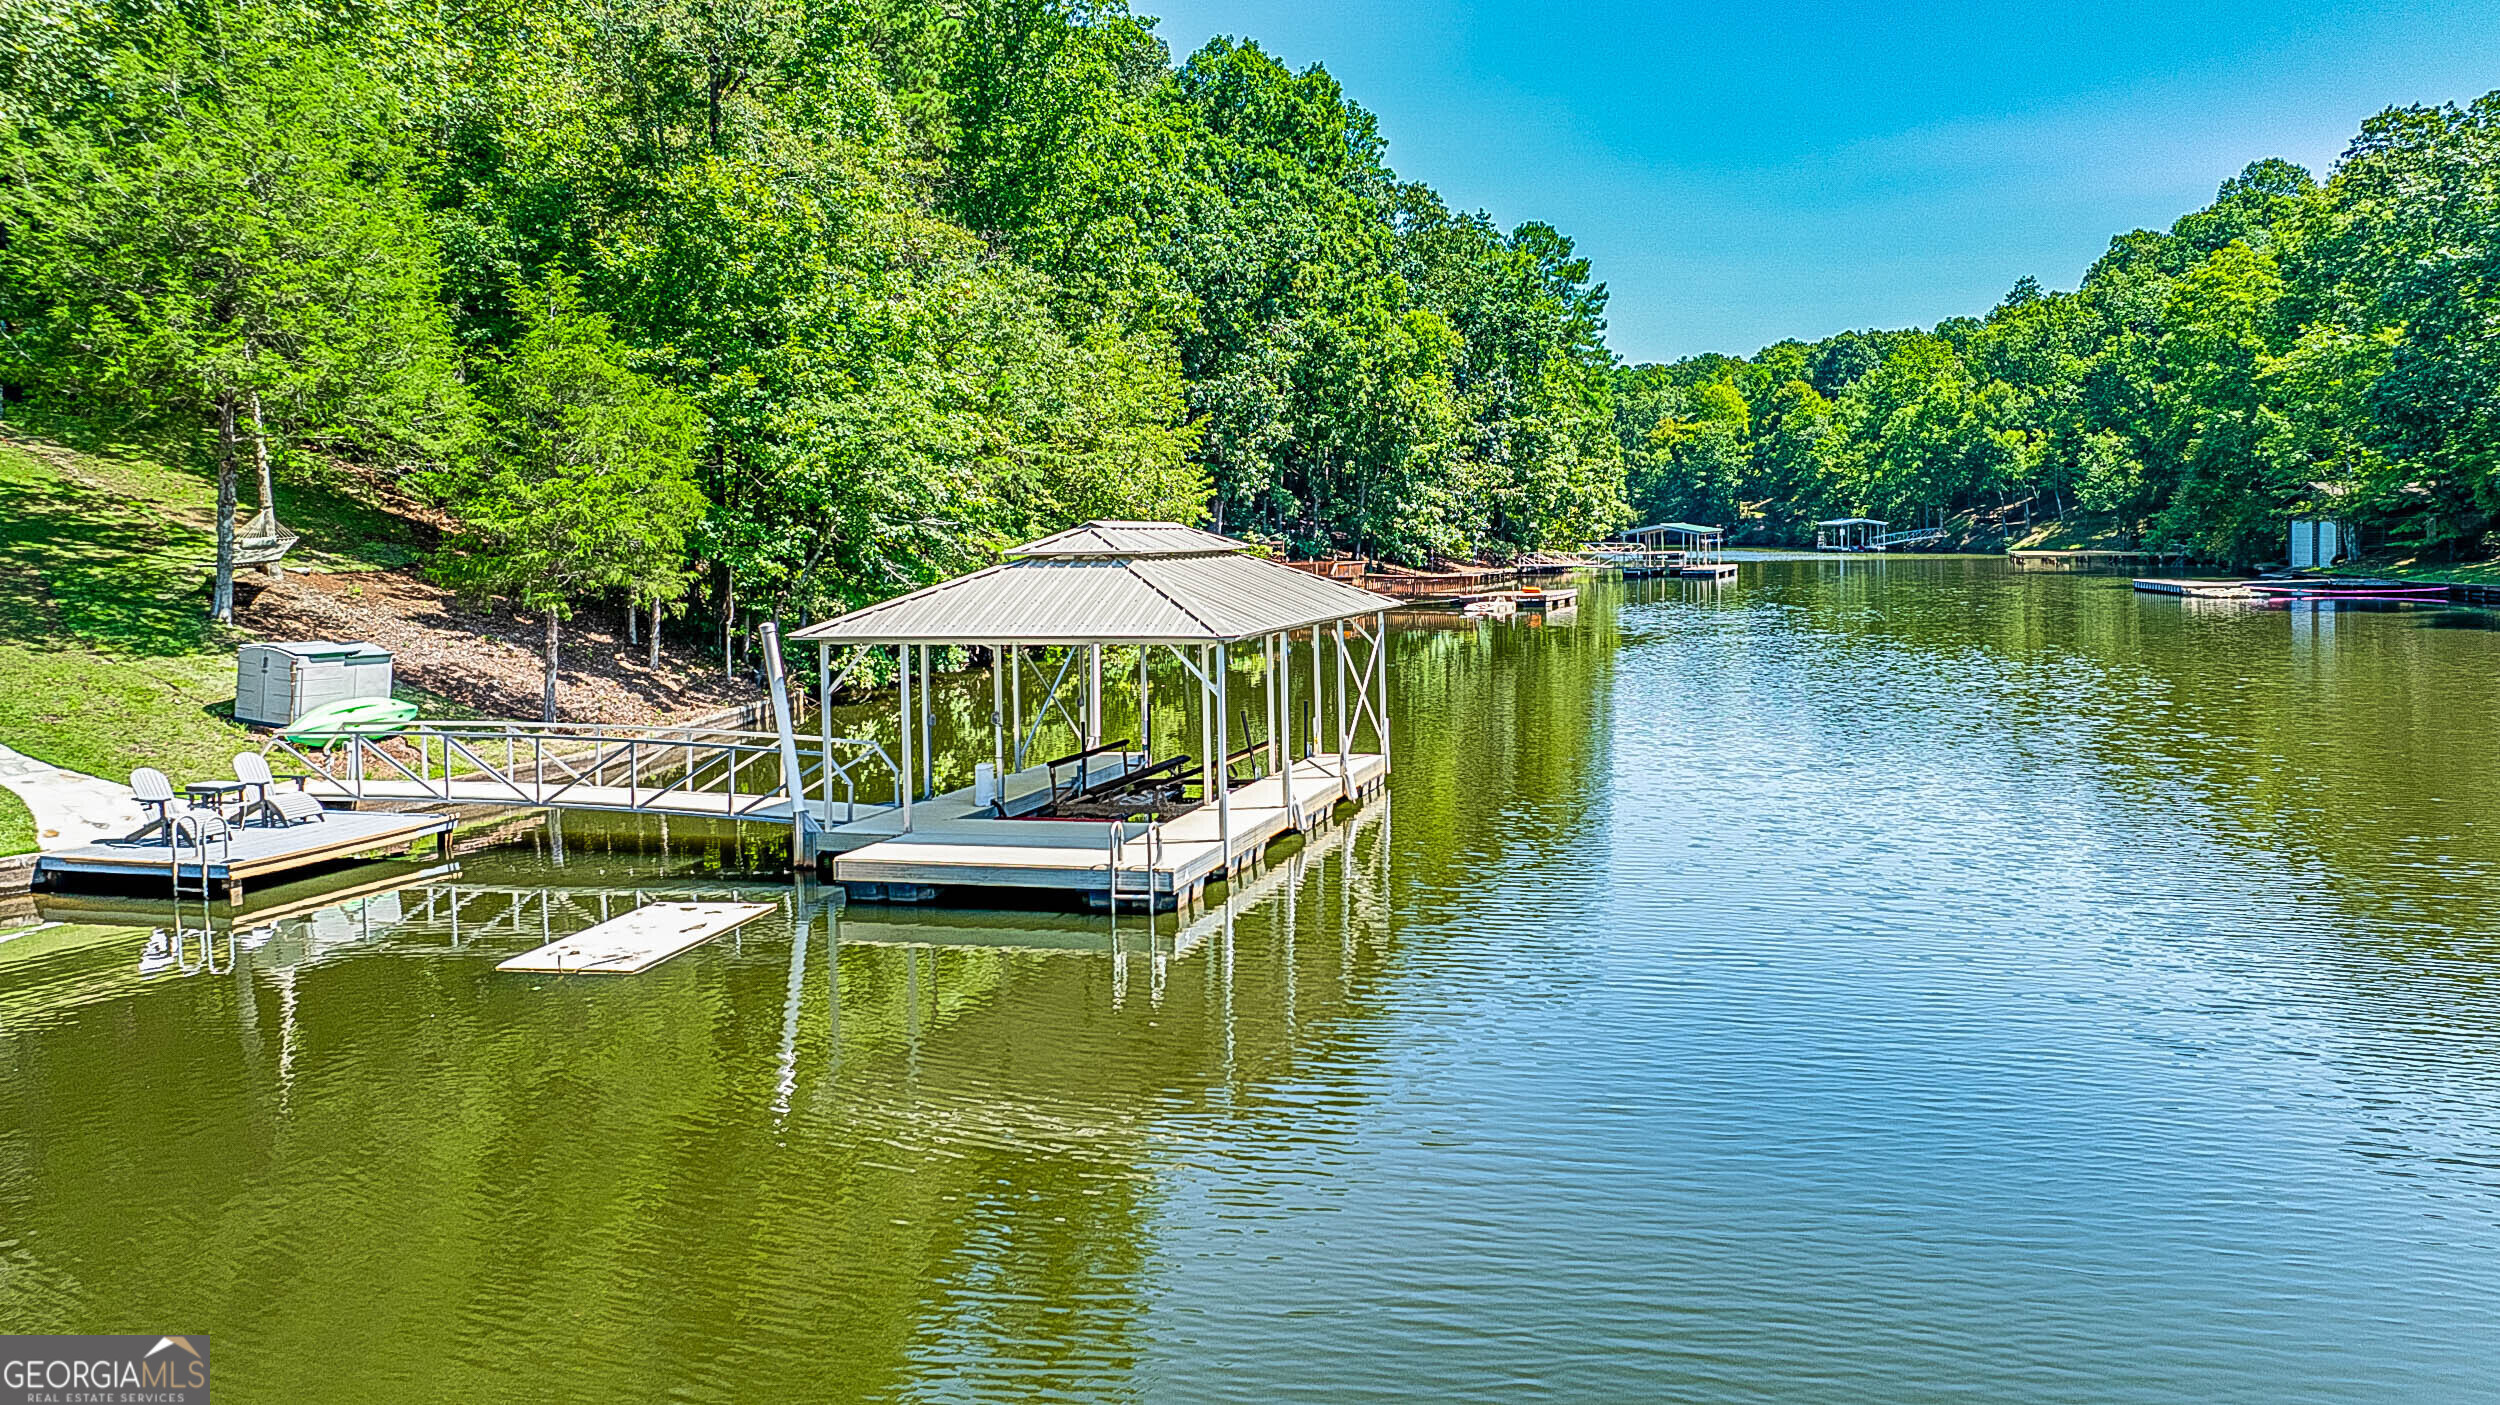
<point>534,771</point>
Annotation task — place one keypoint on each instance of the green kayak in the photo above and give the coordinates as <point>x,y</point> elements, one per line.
<point>355,717</point>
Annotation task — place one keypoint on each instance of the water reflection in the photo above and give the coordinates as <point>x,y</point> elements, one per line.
<point>933,1151</point>
<point>1873,978</point>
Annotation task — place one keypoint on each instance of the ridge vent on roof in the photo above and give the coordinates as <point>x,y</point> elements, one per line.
<point>1116,539</point>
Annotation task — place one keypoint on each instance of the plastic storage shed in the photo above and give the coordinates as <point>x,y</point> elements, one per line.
<point>276,683</point>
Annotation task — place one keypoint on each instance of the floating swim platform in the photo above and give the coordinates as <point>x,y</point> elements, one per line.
<point>637,941</point>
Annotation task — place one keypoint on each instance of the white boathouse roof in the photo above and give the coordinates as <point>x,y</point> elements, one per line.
<point>1109,583</point>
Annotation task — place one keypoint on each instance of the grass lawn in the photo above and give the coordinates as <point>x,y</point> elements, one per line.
<point>107,658</point>
<point>17,825</point>
<point>2443,572</point>
<point>2076,534</point>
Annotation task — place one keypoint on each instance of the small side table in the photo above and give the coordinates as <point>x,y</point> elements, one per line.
<point>215,796</point>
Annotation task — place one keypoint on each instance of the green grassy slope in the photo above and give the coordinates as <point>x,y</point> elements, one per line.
<point>107,658</point>
<point>2078,533</point>
<point>17,825</point>
<point>2442,572</point>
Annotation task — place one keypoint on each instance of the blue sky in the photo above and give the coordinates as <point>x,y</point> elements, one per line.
<point>1742,173</point>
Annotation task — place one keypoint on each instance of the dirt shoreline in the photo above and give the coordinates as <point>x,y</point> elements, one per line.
<point>485,659</point>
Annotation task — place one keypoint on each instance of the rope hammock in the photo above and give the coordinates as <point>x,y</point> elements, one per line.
<point>261,541</point>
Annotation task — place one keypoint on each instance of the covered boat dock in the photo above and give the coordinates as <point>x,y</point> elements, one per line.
<point>1699,550</point>
<point>1849,534</point>
<point>1115,819</point>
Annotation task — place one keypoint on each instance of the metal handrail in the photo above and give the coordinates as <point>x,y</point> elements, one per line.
<point>198,827</point>
<point>1116,849</point>
<point>713,760</point>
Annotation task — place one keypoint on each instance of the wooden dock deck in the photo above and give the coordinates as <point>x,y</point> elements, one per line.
<point>253,851</point>
<point>951,844</point>
<point>1707,570</point>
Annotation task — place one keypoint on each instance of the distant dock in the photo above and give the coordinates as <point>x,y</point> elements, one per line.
<point>2089,560</point>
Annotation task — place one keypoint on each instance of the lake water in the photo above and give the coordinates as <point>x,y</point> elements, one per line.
<point>1872,980</point>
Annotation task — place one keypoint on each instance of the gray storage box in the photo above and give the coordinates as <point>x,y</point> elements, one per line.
<point>276,683</point>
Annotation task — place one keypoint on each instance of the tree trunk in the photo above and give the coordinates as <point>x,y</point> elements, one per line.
<point>221,598</point>
<point>633,620</point>
<point>548,704</point>
<point>268,493</point>
<point>655,631</point>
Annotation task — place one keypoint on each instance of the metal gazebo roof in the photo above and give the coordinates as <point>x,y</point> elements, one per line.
<point>1105,538</point>
<point>1109,583</point>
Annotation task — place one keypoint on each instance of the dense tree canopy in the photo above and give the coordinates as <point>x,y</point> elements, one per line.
<point>587,485</point>
<point>933,277</point>
<point>2292,347</point>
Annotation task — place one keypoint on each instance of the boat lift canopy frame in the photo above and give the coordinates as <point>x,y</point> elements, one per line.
<point>1146,586</point>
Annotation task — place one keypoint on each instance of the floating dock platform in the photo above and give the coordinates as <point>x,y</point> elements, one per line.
<point>2194,589</point>
<point>2035,559</point>
<point>637,941</point>
<point>252,851</point>
<point>1707,570</point>
<point>953,843</point>
<point>2345,588</point>
<point>1559,599</point>
<point>2282,590</point>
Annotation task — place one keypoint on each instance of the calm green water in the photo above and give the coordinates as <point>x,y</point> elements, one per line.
<point>1876,980</point>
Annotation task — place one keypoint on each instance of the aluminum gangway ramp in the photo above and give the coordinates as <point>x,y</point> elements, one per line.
<point>686,771</point>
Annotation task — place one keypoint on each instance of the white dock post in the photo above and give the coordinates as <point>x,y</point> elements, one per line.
<point>1284,695</point>
<point>1093,703</point>
<point>824,725</point>
<point>903,774</point>
<point>1223,748</point>
<point>1345,736</point>
<point>1267,660</point>
<point>776,676</point>
<point>1015,710</point>
<point>998,719</point>
<point>1206,724</point>
<point>928,753</point>
<point>1380,692</point>
<point>1145,706</point>
<point>1319,693</point>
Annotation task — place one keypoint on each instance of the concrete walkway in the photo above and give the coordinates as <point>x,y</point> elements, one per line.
<point>70,808</point>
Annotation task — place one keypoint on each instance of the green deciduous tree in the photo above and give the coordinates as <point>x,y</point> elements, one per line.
<point>230,247</point>
<point>585,482</point>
